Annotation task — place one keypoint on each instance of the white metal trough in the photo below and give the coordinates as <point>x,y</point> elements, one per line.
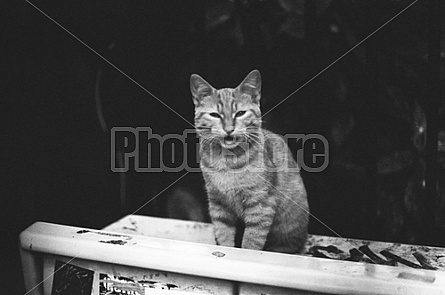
<point>147,255</point>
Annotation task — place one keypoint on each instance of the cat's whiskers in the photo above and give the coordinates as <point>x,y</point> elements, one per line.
<point>208,139</point>
<point>203,129</point>
<point>252,137</point>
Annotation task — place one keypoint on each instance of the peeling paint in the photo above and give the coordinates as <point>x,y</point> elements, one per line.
<point>218,254</point>
<point>104,234</point>
<point>114,242</point>
<point>416,277</point>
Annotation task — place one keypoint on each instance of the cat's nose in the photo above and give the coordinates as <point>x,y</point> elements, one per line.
<point>229,129</point>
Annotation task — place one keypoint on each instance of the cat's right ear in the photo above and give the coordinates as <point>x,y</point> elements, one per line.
<point>199,88</point>
<point>252,86</point>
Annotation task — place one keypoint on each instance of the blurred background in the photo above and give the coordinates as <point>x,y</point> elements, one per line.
<point>381,107</point>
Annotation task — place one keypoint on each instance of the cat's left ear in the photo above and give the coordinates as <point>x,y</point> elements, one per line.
<point>252,86</point>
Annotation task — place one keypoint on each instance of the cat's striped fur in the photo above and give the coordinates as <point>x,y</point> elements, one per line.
<point>250,175</point>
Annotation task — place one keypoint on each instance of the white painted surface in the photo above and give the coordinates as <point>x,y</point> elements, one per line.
<point>255,267</point>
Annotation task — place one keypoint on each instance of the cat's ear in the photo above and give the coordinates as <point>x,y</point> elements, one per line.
<point>199,88</point>
<point>252,85</point>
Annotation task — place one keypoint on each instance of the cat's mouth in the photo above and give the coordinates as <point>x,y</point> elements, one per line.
<point>229,142</point>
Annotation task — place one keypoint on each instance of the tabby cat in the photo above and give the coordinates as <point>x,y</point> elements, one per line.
<point>250,175</point>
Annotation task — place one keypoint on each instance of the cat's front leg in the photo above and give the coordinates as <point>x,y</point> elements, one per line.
<point>258,222</point>
<point>224,224</point>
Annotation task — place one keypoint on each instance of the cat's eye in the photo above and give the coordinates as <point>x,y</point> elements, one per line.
<point>239,114</point>
<point>215,115</point>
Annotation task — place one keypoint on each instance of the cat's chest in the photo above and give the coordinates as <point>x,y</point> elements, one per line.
<point>235,189</point>
<point>228,181</point>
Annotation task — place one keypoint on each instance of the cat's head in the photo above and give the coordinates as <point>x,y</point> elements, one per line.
<point>227,116</point>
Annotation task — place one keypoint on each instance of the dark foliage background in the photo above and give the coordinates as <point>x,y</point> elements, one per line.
<point>370,105</point>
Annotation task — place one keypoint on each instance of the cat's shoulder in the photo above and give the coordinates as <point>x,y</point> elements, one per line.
<point>268,132</point>
<point>274,141</point>
<point>277,150</point>
<point>271,135</point>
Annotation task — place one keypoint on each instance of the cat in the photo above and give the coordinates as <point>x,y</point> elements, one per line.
<point>250,175</point>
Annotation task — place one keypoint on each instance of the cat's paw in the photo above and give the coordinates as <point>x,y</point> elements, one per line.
<point>225,242</point>
<point>252,244</point>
